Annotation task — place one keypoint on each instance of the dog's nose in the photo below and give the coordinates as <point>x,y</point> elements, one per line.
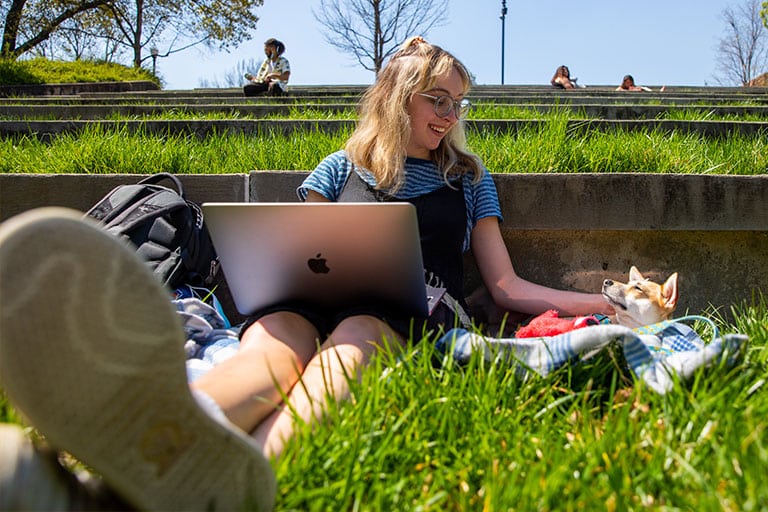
<point>607,282</point>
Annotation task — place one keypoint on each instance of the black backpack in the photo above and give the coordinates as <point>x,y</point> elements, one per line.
<point>166,228</point>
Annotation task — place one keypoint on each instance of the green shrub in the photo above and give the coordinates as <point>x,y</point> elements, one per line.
<point>17,73</point>
<point>40,70</point>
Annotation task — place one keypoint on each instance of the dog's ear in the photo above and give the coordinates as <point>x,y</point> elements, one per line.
<point>669,291</point>
<point>635,275</point>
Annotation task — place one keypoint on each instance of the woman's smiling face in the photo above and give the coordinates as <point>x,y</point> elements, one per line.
<point>427,128</point>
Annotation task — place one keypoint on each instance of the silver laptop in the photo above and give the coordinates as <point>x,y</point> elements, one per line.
<point>326,254</point>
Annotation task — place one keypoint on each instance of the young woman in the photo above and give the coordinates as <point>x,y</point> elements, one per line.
<point>408,146</point>
<point>628,84</point>
<point>562,78</point>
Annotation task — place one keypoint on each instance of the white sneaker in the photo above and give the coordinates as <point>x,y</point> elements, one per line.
<point>91,352</point>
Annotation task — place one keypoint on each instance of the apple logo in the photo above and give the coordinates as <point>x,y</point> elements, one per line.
<point>317,264</point>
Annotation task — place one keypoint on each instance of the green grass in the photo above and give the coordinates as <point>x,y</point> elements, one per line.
<point>549,148</point>
<point>553,148</point>
<point>40,70</point>
<point>478,112</point>
<point>103,152</point>
<point>418,436</point>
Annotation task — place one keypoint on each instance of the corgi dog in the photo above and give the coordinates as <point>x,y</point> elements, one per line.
<point>641,301</point>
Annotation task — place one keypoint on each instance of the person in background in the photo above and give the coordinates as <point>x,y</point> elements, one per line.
<point>562,78</point>
<point>628,84</point>
<point>272,77</point>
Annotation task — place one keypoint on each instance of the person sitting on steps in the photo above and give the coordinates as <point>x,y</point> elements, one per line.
<point>628,84</point>
<point>272,77</point>
<point>562,78</point>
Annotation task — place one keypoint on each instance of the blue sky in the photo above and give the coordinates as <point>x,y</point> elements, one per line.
<point>659,42</point>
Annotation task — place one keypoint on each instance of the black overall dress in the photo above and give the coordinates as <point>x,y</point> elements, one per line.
<point>442,219</point>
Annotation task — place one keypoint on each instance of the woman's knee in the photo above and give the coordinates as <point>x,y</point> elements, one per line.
<point>282,331</point>
<point>365,331</point>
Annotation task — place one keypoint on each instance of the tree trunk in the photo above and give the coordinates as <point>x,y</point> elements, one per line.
<point>378,44</point>
<point>137,34</point>
<point>11,32</point>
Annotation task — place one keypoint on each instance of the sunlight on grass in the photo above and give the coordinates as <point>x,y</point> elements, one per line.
<point>546,147</point>
<point>420,435</point>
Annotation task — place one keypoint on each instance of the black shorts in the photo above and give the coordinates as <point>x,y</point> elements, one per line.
<point>325,321</point>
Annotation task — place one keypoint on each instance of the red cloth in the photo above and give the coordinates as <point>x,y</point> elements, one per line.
<point>550,324</point>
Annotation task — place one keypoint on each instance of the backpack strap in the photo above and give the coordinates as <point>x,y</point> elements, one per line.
<point>155,178</point>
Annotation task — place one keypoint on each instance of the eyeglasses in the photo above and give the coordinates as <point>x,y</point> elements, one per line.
<point>444,105</point>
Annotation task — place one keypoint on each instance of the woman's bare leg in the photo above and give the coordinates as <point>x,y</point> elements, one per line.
<point>326,377</point>
<point>250,385</point>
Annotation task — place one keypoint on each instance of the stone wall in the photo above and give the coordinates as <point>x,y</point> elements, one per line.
<point>563,230</point>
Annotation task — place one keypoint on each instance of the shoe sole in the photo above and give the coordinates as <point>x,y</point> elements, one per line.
<point>91,352</point>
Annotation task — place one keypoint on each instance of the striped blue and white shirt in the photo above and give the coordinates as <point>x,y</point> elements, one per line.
<point>421,177</point>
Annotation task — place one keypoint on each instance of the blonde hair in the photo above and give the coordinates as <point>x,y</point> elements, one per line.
<point>379,141</point>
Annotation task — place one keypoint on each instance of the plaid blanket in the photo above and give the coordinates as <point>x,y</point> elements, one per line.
<point>657,354</point>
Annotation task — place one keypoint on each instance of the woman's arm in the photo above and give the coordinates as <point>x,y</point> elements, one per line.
<point>511,292</point>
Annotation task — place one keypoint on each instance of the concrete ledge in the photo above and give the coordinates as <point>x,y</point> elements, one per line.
<point>72,89</point>
<point>751,104</point>
<point>20,192</point>
<point>82,111</point>
<point>563,230</point>
<point>46,130</point>
<point>623,202</point>
<point>634,201</point>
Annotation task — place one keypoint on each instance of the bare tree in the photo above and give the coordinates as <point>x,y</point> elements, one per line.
<point>743,49</point>
<point>234,76</point>
<point>88,36</point>
<point>371,30</point>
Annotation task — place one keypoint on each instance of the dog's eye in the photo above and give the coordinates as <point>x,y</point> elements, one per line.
<point>638,288</point>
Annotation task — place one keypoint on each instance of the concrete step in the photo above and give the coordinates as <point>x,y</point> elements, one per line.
<point>259,110</point>
<point>76,88</point>
<point>45,130</point>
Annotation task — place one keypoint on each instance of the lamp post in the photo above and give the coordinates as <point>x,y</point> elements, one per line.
<point>154,53</point>
<point>502,17</point>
